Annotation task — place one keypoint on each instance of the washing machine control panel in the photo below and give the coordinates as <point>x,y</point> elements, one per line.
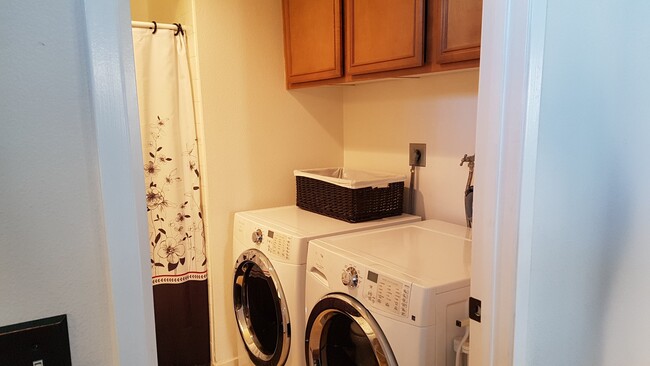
<point>278,244</point>
<point>387,294</point>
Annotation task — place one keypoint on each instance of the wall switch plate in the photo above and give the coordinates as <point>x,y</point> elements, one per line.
<point>418,154</point>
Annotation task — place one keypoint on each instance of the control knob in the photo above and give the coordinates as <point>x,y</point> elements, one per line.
<point>257,236</point>
<point>350,277</point>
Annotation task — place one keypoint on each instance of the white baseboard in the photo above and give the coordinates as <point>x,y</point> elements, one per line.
<point>231,362</point>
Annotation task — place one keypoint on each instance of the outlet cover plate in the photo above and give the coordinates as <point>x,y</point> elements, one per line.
<point>413,149</point>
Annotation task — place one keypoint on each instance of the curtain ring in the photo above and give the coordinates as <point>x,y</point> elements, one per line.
<point>155,26</point>
<point>179,29</point>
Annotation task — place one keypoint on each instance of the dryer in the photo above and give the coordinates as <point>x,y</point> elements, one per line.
<point>388,296</point>
<point>270,252</point>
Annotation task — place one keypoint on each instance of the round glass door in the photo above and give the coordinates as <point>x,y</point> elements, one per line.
<point>340,331</point>
<point>261,309</point>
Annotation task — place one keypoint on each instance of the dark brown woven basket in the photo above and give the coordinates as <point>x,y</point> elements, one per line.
<point>351,205</point>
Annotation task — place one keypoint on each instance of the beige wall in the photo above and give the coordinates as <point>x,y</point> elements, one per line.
<point>162,11</point>
<point>140,10</point>
<point>256,132</point>
<point>382,118</point>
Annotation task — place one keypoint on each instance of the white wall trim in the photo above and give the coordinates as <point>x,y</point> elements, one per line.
<point>536,11</point>
<point>122,182</point>
<point>506,153</point>
<point>229,362</point>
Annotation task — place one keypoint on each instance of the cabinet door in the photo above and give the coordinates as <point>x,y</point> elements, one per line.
<point>383,35</point>
<point>312,40</point>
<point>459,31</point>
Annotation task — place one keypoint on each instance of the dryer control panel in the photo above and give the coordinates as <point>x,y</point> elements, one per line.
<point>387,293</point>
<point>278,244</point>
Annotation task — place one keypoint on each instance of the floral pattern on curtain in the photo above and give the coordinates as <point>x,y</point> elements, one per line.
<point>173,196</point>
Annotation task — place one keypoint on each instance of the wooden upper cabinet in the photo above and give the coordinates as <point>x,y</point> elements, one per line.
<point>458,30</point>
<point>383,35</point>
<point>312,40</point>
<point>347,41</point>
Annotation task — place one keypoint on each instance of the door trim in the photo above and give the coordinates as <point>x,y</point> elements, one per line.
<point>115,113</point>
<point>506,153</point>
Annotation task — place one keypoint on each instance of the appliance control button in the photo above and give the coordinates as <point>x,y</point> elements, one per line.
<point>350,277</point>
<point>257,236</point>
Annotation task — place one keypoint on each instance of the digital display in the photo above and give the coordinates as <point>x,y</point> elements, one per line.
<point>270,234</point>
<point>372,276</point>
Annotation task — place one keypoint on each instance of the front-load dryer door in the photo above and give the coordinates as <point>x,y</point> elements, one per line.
<point>340,331</point>
<point>261,309</point>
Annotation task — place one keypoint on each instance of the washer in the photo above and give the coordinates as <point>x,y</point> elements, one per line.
<point>387,296</point>
<point>270,252</point>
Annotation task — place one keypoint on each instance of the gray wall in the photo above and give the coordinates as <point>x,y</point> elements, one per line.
<point>590,275</point>
<point>53,251</point>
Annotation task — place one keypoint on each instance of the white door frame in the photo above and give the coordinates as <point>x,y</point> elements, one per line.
<point>506,149</point>
<point>115,110</point>
<point>512,51</point>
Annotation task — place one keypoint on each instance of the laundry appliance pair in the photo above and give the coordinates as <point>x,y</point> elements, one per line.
<point>383,292</point>
<point>270,255</point>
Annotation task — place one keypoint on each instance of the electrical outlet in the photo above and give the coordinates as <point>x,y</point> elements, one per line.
<point>418,154</point>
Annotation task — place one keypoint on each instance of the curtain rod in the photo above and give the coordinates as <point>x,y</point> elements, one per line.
<point>155,26</point>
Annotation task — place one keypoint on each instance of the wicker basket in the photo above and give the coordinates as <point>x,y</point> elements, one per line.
<point>349,195</point>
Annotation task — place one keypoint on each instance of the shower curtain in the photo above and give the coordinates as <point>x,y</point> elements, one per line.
<point>173,195</point>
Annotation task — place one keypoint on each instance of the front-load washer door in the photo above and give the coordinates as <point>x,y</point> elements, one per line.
<point>340,331</point>
<point>261,309</point>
